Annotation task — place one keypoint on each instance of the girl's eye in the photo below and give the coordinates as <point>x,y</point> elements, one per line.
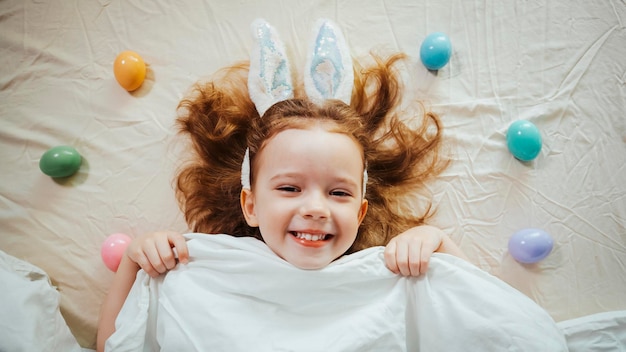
<point>288,189</point>
<point>339,193</point>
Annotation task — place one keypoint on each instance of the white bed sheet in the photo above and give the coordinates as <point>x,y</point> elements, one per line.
<point>559,64</point>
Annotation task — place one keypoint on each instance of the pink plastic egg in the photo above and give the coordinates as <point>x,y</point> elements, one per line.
<point>113,249</point>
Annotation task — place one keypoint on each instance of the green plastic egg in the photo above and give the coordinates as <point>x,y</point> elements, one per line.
<point>60,161</point>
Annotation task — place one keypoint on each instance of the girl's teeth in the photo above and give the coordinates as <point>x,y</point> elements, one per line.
<point>309,237</point>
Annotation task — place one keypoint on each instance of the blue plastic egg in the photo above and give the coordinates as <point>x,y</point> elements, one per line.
<point>60,161</point>
<point>523,140</point>
<point>435,51</point>
<point>530,245</point>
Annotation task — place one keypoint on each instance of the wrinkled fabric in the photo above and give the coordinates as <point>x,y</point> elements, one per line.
<point>30,319</point>
<point>235,294</point>
<point>559,64</point>
<point>596,332</point>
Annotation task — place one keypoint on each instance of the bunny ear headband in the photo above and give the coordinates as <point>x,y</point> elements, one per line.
<point>328,73</point>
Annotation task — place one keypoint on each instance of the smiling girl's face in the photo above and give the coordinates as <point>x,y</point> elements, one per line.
<point>307,195</point>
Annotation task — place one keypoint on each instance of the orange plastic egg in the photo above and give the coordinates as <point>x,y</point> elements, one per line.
<point>130,70</point>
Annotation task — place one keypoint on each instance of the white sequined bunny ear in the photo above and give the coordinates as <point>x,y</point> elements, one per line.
<point>328,72</point>
<point>269,79</point>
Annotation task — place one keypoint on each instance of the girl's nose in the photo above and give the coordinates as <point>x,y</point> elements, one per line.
<point>315,206</point>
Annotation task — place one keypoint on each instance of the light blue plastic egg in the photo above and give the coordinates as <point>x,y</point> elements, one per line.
<point>523,140</point>
<point>530,245</point>
<point>435,51</point>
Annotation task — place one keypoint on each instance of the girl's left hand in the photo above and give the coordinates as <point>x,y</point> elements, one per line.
<point>408,253</point>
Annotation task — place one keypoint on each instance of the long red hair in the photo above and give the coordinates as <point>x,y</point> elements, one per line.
<point>400,152</point>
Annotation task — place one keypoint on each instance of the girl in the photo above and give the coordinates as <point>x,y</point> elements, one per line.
<point>313,166</point>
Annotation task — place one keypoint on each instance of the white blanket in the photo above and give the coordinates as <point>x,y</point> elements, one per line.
<point>235,294</point>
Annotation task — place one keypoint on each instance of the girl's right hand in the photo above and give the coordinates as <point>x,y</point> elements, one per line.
<point>154,252</point>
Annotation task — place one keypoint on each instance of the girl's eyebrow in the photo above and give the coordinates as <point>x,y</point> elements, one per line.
<point>347,180</point>
<point>295,175</point>
<point>281,175</point>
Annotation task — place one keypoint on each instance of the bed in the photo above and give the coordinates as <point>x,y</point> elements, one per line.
<point>558,64</point>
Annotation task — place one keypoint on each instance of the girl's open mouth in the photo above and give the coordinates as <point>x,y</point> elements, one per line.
<point>309,239</point>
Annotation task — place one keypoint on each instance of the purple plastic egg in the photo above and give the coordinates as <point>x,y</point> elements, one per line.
<point>530,245</point>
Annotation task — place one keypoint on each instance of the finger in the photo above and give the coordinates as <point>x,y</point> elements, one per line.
<point>165,252</point>
<point>415,255</point>
<point>426,253</point>
<point>151,271</point>
<point>151,251</point>
<point>144,263</point>
<point>402,258</point>
<point>390,257</point>
<point>180,244</point>
<point>138,255</point>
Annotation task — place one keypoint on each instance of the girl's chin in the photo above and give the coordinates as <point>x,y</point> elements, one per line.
<point>309,265</point>
<point>306,255</point>
<point>307,261</point>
